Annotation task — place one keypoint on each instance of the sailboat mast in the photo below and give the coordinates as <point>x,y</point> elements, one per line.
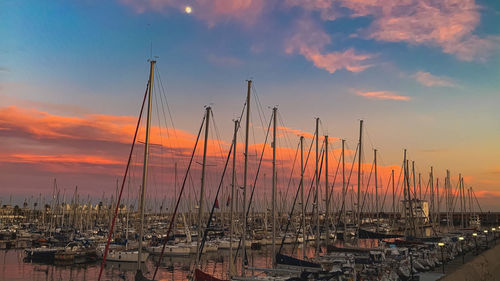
<point>376,187</point>
<point>461,194</point>
<point>433,203</point>
<point>145,165</point>
<point>438,204</point>
<point>316,198</point>
<point>202,185</point>
<point>344,191</point>
<point>393,197</point>
<point>327,201</point>
<point>303,223</point>
<point>273,208</point>
<point>233,183</point>
<point>358,207</point>
<point>245,172</point>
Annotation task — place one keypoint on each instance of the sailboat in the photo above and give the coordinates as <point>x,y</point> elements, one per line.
<point>139,276</point>
<point>133,255</point>
<point>139,255</point>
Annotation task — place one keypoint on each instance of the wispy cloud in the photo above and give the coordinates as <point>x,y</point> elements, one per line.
<point>382,95</point>
<point>429,80</point>
<point>310,41</point>
<point>448,24</point>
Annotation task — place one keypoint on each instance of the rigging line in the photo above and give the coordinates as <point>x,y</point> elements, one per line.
<point>333,149</point>
<point>161,141</point>
<point>313,180</point>
<point>260,110</point>
<point>397,189</point>
<point>205,233</point>
<point>290,215</point>
<point>427,188</point>
<point>288,143</point>
<point>172,219</point>
<point>293,168</point>
<point>330,198</point>
<point>253,187</point>
<point>477,202</point>
<point>346,187</point>
<point>216,129</point>
<point>163,93</point>
<point>163,108</point>
<point>386,191</point>
<point>106,249</point>
<point>367,186</point>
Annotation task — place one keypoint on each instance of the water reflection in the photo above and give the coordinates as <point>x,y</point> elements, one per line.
<point>172,268</point>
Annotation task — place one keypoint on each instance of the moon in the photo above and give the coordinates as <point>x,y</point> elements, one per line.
<point>188,10</point>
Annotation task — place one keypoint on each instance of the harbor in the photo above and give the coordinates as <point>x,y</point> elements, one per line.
<point>250,140</point>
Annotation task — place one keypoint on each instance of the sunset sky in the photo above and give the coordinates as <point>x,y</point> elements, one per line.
<point>423,75</point>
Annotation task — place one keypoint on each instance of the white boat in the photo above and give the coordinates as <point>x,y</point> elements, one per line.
<point>126,255</point>
<point>208,247</point>
<point>171,250</point>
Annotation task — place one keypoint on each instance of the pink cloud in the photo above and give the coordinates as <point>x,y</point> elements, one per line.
<point>429,80</point>
<point>445,23</point>
<point>382,95</point>
<point>211,12</point>
<point>448,24</point>
<point>310,41</point>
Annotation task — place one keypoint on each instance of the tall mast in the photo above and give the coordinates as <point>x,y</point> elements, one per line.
<point>202,185</point>
<point>145,165</point>
<point>438,204</point>
<point>343,185</point>
<point>447,187</point>
<point>393,197</point>
<point>233,183</point>
<point>460,186</point>
<point>416,220</point>
<point>420,186</point>
<point>316,198</point>
<point>302,196</point>
<point>376,187</point>
<point>358,212</point>
<point>470,204</point>
<point>413,177</point>
<point>245,179</point>
<point>433,205</point>
<point>327,200</point>
<point>274,197</point>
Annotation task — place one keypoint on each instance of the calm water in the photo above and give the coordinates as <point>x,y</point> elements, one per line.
<point>12,266</point>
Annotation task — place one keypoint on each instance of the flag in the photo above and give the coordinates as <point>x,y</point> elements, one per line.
<point>216,203</point>
<point>228,200</point>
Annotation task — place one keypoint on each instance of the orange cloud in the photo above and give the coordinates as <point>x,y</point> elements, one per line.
<point>296,132</point>
<point>382,95</point>
<point>60,158</point>
<point>310,41</point>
